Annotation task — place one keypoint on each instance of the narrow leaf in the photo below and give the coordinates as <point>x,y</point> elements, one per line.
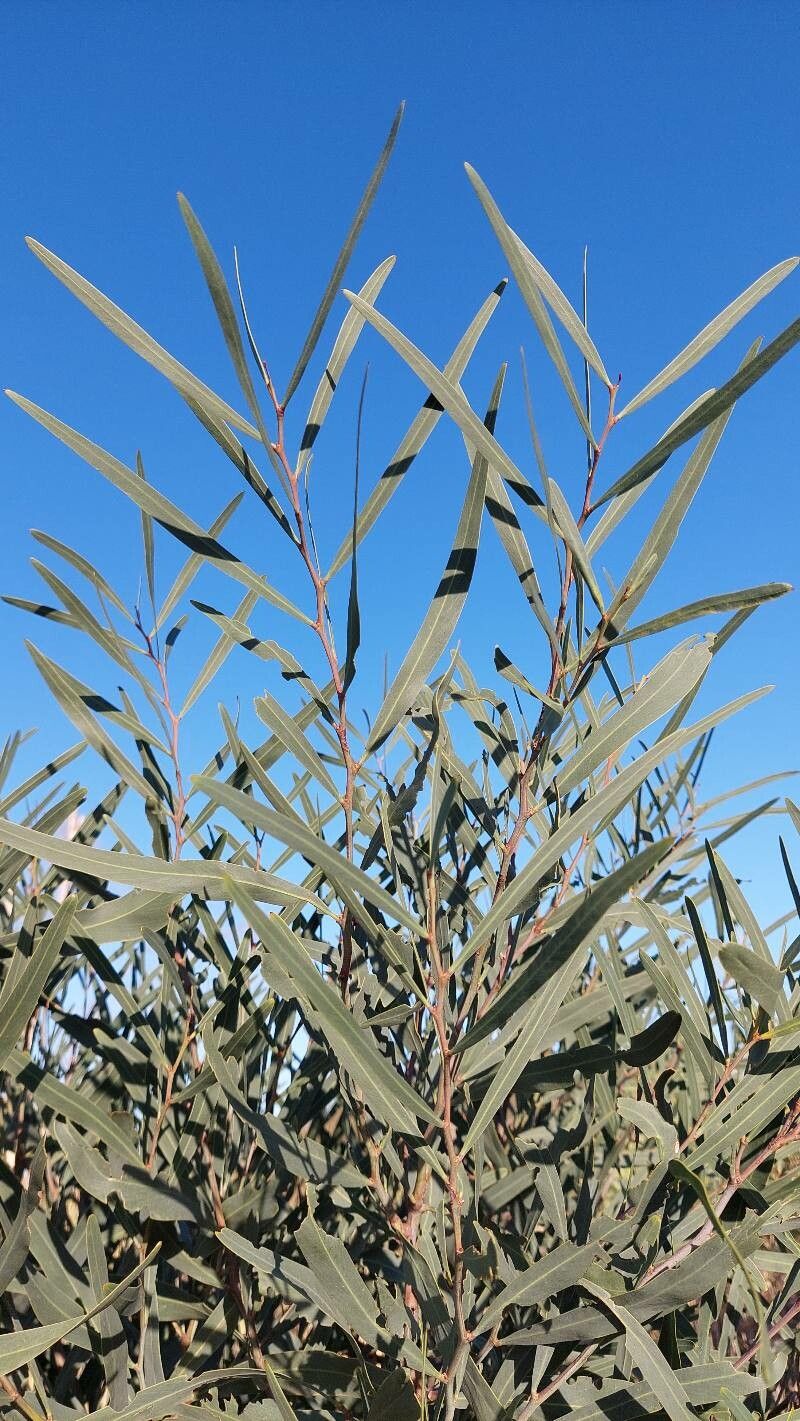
<point>223,305</point>
<point>707,606</point>
<point>760,979</point>
<point>441,618</point>
<point>205,877</point>
<point>341,263</point>
<point>353,613</point>
<point>22,989</point>
<point>525,273</point>
<point>341,1291</point>
<point>709,409</point>
<point>596,808</point>
<point>394,1101</point>
<point>647,1357</point>
<point>535,1034</point>
<point>137,339</point>
<point>570,532</point>
<point>558,949</point>
<point>676,674</point>
<point>449,395</point>
<point>343,347</point>
<point>305,841</point>
<point>562,1268</point>
<point>217,657</point>
<point>166,513</point>
<point>19,1348</point>
<point>712,334</point>
<point>421,428</point>
<point>273,715</point>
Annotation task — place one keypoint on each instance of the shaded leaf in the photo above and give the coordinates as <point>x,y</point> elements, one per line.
<point>391,1096</point>
<point>22,989</point>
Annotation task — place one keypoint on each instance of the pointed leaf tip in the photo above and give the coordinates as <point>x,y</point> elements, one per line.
<point>342,261</point>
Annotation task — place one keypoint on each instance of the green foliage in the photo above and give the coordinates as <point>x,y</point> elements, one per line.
<point>439,1068</point>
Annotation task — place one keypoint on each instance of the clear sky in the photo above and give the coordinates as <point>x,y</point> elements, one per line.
<point>663,135</point>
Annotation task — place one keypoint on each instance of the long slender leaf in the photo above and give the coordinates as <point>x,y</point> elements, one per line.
<point>558,949</point>
<point>707,606</point>
<point>709,409</point>
<point>217,657</point>
<point>534,1034</point>
<point>20,994</point>
<point>677,673</point>
<point>573,540</point>
<point>341,263</point>
<point>184,528</point>
<point>343,347</point>
<point>601,806</point>
<point>275,718</point>
<point>305,841</point>
<point>449,395</point>
<point>712,334</point>
<point>205,877</point>
<point>558,1270</point>
<point>135,337</point>
<point>442,615</point>
<point>341,1291</point>
<point>528,278</point>
<point>18,1348</point>
<point>396,1103</point>
<point>652,1364</point>
<point>420,430</point>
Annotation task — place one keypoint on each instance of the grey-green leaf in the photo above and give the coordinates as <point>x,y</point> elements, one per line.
<point>659,691</point>
<point>560,1269</point>
<point>760,979</point>
<point>707,606</point>
<point>283,726</point>
<point>146,497</point>
<point>19,1348</point>
<point>528,280</point>
<point>420,430</point>
<point>442,615</point>
<point>447,392</point>
<point>341,1291</point>
<point>390,1096</point>
<point>22,988</point>
<point>132,335</point>
<point>206,877</point>
<point>712,334</point>
<point>571,534</point>
<point>709,409</point>
<point>647,1356</point>
<point>340,265</point>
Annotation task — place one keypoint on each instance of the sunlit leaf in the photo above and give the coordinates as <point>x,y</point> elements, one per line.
<point>441,618</point>
<point>529,275</point>
<point>133,336</point>
<point>184,528</point>
<point>712,334</point>
<point>709,409</point>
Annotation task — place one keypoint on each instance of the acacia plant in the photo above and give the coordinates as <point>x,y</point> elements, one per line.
<point>433,1067</point>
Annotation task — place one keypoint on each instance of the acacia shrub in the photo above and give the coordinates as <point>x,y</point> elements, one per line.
<point>367,1073</point>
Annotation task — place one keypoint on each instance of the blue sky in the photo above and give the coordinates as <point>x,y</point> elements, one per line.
<point>663,135</point>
